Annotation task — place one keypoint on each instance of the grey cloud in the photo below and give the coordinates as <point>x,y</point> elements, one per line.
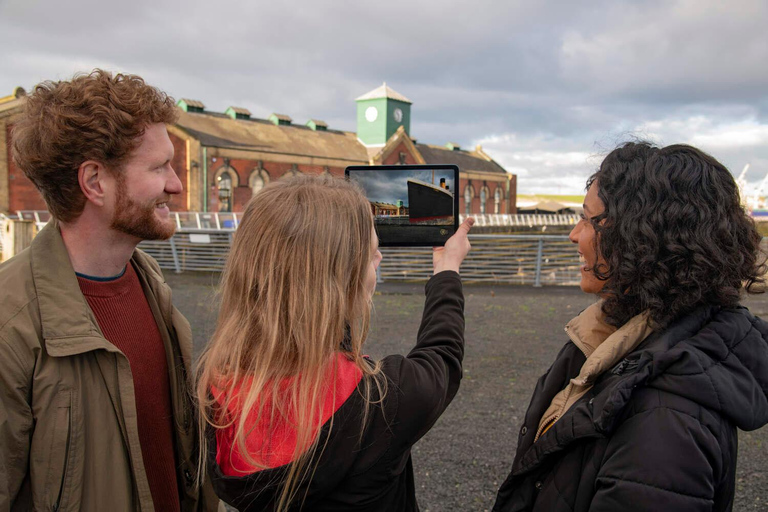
<point>562,76</point>
<point>391,186</point>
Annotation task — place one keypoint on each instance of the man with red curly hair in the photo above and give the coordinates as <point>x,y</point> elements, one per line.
<point>95,412</point>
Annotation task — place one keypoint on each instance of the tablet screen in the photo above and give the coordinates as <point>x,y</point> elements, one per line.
<point>412,205</point>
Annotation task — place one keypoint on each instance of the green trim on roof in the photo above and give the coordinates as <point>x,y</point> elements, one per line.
<point>186,107</point>
<point>231,112</point>
<point>317,126</point>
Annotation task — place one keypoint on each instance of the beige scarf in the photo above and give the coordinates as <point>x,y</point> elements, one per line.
<point>604,346</point>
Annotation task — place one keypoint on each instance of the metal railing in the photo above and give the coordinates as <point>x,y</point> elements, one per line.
<point>521,220</point>
<point>511,259</point>
<point>228,221</point>
<point>505,259</point>
<point>203,239</point>
<point>199,251</point>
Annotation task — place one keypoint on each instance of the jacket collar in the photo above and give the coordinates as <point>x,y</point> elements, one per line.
<point>589,329</point>
<point>68,325</point>
<point>603,344</point>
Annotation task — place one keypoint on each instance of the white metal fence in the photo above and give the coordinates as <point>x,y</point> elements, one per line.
<point>222,221</point>
<point>513,259</point>
<point>202,243</point>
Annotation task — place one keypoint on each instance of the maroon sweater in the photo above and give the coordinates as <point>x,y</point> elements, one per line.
<point>126,320</point>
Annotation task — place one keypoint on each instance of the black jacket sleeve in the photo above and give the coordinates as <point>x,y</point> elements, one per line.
<point>426,380</point>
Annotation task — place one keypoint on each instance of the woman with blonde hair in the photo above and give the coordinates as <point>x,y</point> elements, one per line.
<point>296,416</point>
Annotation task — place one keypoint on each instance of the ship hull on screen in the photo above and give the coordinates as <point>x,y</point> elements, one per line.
<point>429,203</point>
<point>412,205</point>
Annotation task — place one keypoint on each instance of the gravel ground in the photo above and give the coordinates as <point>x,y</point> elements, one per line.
<point>513,333</point>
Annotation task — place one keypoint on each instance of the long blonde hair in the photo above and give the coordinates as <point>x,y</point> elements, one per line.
<point>292,290</point>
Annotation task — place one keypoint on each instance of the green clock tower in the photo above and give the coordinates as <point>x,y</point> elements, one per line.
<point>380,113</point>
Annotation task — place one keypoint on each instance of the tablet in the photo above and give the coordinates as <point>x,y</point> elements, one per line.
<point>412,205</point>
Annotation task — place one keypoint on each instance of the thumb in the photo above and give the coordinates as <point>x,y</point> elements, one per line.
<point>466,225</point>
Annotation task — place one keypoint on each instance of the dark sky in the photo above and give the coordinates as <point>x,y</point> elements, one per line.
<point>547,87</point>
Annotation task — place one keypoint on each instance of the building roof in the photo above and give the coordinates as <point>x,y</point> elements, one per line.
<point>384,91</point>
<point>193,103</point>
<point>18,92</point>
<point>13,104</point>
<point>465,160</point>
<point>219,130</point>
<point>240,110</point>
<point>282,117</point>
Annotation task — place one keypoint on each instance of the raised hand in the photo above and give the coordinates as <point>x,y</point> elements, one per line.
<point>455,250</point>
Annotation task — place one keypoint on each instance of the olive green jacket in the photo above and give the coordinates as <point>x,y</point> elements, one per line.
<point>68,433</point>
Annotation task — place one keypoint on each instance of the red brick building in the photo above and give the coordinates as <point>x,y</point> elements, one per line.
<point>224,158</point>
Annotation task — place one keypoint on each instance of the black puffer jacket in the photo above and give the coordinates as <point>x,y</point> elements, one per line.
<point>658,432</point>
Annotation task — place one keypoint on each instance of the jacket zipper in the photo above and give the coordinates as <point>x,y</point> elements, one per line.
<point>553,419</point>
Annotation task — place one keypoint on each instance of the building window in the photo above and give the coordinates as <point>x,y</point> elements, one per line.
<point>483,198</point>
<point>469,194</point>
<point>225,181</point>
<point>224,191</point>
<point>293,171</point>
<point>401,158</point>
<point>497,200</point>
<point>258,179</point>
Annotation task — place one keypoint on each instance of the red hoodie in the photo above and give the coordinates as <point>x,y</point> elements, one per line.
<point>274,447</point>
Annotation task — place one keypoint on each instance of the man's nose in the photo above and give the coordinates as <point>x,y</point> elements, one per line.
<point>173,185</point>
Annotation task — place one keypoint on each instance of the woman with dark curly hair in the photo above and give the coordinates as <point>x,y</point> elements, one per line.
<point>640,409</point>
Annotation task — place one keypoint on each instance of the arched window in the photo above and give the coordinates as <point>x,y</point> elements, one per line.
<point>497,200</point>
<point>257,180</point>
<point>484,192</point>
<point>293,171</point>
<point>469,194</point>
<point>224,190</point>
<point>225,181</point>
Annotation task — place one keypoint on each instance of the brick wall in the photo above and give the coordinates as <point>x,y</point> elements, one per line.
<point>393,157</point>
<point>5,157</point>
<point>244,167</point>
<point>22,194</point>
<point>179,164</point>
<point>489,203</point>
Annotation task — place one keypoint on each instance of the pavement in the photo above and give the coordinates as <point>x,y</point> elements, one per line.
<point>512,336</point>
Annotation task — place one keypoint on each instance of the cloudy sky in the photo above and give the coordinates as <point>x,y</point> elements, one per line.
<point>392,186</point>
<point>546,87</point>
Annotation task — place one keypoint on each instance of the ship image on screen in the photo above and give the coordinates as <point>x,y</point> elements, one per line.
<point>411,205</point>
<point>428,203</point>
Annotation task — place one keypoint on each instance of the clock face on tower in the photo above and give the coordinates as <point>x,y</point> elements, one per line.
<point>371,114</point>
<point>398,115</point>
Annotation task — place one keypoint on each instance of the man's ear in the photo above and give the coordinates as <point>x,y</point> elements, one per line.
<point>94,181</point>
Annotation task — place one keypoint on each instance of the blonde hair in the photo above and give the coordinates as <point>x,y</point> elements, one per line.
<point>293,290</point>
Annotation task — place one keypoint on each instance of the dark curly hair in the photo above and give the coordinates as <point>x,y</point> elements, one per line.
<point>673,235</point>
<point>92,117</point>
